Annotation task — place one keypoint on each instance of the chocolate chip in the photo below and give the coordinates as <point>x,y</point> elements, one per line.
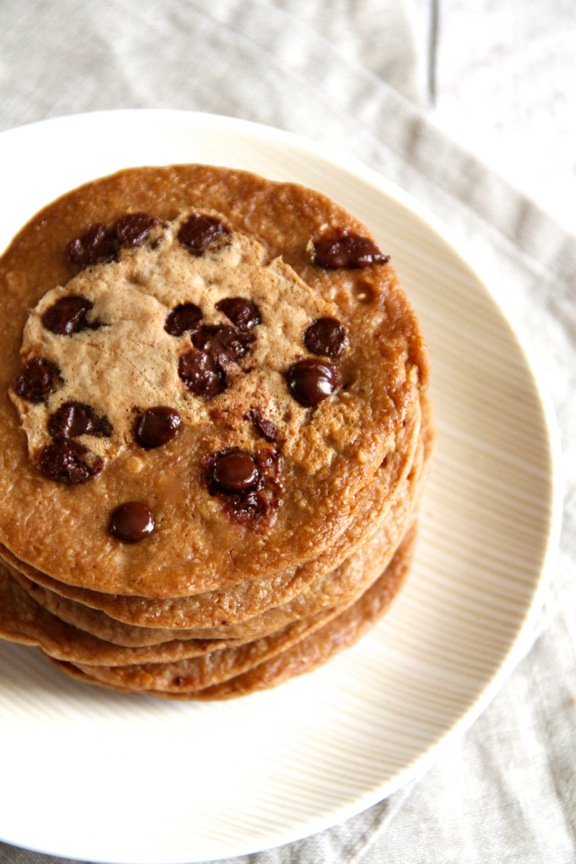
<point>247,509</point>
<point>67,315</point>
<point>204,371</point>
<point>311,381</point>
<point>269,467</point>
<point>69,462</point>
<point>201,374</point>
<point>75,418</point>
<point>325,336</point>
<point>131,230</point>
<point>157,426</point>
<point>233,470</point>
<point>223,343</point>
<point>265,428</point>
<point>37,380</point>
<point>98,245</point>
<point>131,522</point>
<point>184,318</point>
<point>248,484</point>
<point>344,250</point>
<point>244,314</point>
<point>70,421</point>
<point>199,231</point>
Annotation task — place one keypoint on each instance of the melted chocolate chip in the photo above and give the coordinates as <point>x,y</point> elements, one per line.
<point>100,244</point>
<point>199,231</point>
<point>312,381</point>
<point>269,467</point>
<point>131,522</point>
<point>131,230</point>
<point>248,484</point>
<point>69,462</point>
<point>243,313</point>
<point>184,318</point>
<point>265,428</point>
<point>344,250</point>
<point>75,418</point>
<point>233,471</point>
<point>223,343</point>
<point>325,336</point>
<point>157,426</point>
<point>247,509</point>
<point>201,374</point>
<point>96,246</point>
<point>203,371</point>
<point>67,315</point>
<point>37,379</point>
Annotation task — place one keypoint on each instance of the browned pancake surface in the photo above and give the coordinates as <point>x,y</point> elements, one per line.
<point>329,453</point>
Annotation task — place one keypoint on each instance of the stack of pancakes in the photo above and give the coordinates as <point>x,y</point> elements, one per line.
<point>214,432</point>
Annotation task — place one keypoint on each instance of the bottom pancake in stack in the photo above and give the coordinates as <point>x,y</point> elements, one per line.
<point>215,437</point>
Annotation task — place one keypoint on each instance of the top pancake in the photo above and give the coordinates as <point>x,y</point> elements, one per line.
<point>317,465</point>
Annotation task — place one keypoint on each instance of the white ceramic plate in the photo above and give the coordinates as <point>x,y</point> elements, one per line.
<point>98,776</point>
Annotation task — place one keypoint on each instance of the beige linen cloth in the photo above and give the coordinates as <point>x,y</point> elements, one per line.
<point>353,72</point>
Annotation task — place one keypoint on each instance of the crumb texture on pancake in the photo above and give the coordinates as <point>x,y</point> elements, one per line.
<point>124,359</point>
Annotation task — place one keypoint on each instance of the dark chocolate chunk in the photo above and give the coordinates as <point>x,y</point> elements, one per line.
<point>248,508</point>
<point>269,465</point>
<point>96,246</point>
<point>201,374</point>
<point>243,313</point>
<point>311,381</point>
<point>199,231</point>
<point>265,428</point>
<point>157,426</point>
<point>342,249</point>
<point>131,522</point>
<point>223,343</point>
<point>248,484</point>
<point>75,418</point>
<point>203,371</point>
<point>69,462</point>
<point>184,318</point>
<point>233,470</point>
<point>100,244</point>
<point>131,230</point>
<point>37,379</point>
<point>325,336</point>
<point>67,315</point>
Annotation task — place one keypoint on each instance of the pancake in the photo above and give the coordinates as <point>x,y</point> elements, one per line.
<point>214,432</point>
<point>334,589</point>
<point>299,658</point>
<point>251,599</point>
<point>24,621</point>
<point>300,491</point>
